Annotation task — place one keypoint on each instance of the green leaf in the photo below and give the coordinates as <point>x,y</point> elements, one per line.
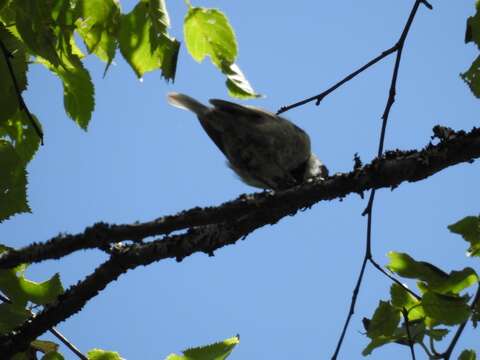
<point>18,59</point>
<point>44,292</point>
<point>144,41</point>
<point>468,355</point>
<point>458,281</point>
<point>52,356</point>
<point>33,19</point>
<point>64,17</point>
<point>376,343</point>
<point>469,228</point>
<point>13,182</point>
<point>208,32</point>
<point>44,346</point>
<point>433,277</point>
<point>98,354</point>
<point>384,320</point>
<point>11,287</point>
<point>400,336</point>
<point>22,135</point>
<point>21,290</point>
<point>98,27</point>
<point>405,266</point>
<point>472,33</point>
<point>237,85</point>
<point>78,91</point>
<point>437,334</point>
<point>401,299</point>
<point>11,316</point>
<point>445,309</point>
<point>216,351</point>
<point>472,77</point>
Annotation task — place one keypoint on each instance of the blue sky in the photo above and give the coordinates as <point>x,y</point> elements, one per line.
<point>287,288</point>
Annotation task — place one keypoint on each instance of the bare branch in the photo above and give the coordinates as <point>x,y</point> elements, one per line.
<point>318,98</point>
<point>398,48</point>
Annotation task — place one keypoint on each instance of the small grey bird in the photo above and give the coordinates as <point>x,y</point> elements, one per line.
<point>265,150</point>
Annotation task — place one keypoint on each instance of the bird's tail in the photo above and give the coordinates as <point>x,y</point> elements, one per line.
<point>186,102</point>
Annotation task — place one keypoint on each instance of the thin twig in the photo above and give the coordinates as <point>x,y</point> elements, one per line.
<point>318,98</point>
<point>21,102</point>
<point>398,48</point>
<point>67,343</point>
<point>409,335</point>
<point>356,290</point>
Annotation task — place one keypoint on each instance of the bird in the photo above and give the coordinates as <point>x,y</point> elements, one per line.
<point>265,150</point>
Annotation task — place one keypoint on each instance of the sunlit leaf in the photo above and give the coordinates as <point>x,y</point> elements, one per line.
<point>445,309</point>
<point>144,41</point>
<point>42,292</point>
<point>20,132</point>
<point>98,27</point>
<point>469,228</point>
<point>433,277</point>
<point>64,16</point>
<point>401,299</point>
<point>237,85</point>
<point>458,281</point>
<point>20,290</point>
<point>208,33</point>
<point>98,354</point>
<point>216,351</point>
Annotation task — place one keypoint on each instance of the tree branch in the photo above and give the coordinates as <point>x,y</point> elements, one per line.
<point>395,48</point>
<point>389,171</point>
<point>398,48</point>
<point>243,216</point>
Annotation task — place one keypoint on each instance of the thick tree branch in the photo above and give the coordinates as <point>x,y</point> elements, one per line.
<point>244,216</point>
<point>390,170</point>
